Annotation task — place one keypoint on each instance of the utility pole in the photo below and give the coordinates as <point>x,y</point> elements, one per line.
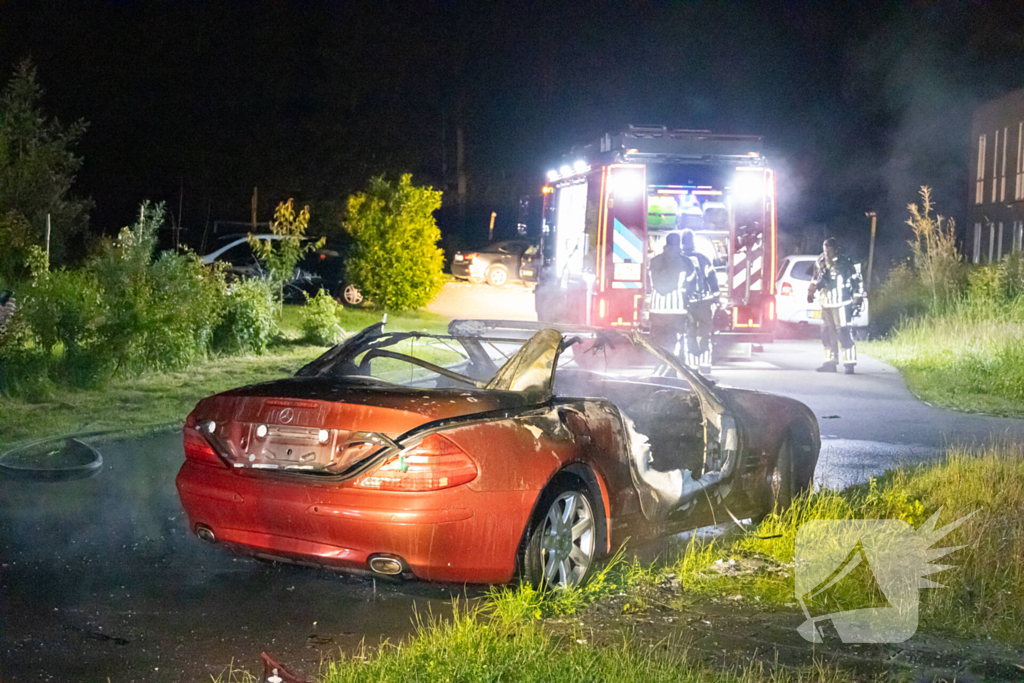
<point>871,249</point>
<point>255,199</point>
<point>47,241</point>
<point>490,231</point>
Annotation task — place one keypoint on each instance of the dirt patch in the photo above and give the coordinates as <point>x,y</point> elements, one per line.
<point>734,630</point>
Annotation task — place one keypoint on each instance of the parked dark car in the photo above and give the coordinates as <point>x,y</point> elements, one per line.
<point>498,263</point>
<point>322,268</point>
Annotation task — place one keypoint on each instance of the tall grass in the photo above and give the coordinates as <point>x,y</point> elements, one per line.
<point>985,586</point>
<point>970,356</point>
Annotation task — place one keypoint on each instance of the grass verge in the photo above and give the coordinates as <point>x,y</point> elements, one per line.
<point>970,358</point>
<point>133,403</point>
<point>521,634</point>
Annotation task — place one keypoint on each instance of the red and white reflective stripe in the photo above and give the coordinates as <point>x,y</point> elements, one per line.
<point>739,271</point>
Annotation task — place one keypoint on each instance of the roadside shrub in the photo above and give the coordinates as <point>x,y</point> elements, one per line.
<point>186,304</point>
<point>900,296</point>
<point>985,285</point>
<point>248,323</point>
<point>62,308</point>
<point>282,255</point>
<point>319,320</point>
<point>395,260</point>
<point>1011,281</point>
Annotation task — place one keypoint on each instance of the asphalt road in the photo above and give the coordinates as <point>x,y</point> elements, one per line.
<point>869,421</point>
<point>100,578</point>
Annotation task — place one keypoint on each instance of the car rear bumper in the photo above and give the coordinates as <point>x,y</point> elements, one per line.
<point>456,534</point>
<point>466,270</point>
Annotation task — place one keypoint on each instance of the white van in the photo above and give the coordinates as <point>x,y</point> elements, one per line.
<point>792,283</point>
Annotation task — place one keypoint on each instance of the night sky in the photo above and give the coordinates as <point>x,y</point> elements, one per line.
<point>191,102</point>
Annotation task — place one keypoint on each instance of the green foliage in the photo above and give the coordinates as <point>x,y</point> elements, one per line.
<point>935,255</point>
<point>282,255</point>
<point>248,324</point>
<point>156,315</point>
<point>983,285</point>
<point>902,295</point>
<point>319,320</point>
<point>62,307</point>
<point>37,170</point>
<point>395,261</point>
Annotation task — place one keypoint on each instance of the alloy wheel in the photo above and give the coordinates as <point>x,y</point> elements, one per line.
<point>568,535</point>
<point>352,295</point>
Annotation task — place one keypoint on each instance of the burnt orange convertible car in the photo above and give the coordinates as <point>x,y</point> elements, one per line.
<point>497,449</point>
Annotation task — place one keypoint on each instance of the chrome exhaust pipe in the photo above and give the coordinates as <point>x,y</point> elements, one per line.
<point>205,533</point>
<point>388,565</point>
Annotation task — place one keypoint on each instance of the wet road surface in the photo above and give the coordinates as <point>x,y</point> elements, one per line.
<point>869,421</point>
<point>100,577</point>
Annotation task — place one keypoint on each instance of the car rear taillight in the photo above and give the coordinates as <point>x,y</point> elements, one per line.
<point>197,448</point>
<point>435,463</point>
<point>458,256</point>
<point>786,289</point>
<point>469,257</point>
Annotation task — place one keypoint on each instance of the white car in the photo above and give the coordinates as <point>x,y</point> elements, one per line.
<point>793,281</point>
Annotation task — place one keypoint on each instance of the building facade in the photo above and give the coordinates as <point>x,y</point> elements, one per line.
<point>996,196</point>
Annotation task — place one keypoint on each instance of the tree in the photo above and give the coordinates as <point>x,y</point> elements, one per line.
<point>282,255</point>
<point>395,261</point>
<point>37,170</point>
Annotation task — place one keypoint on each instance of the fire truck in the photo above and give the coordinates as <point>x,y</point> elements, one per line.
<point>609,206</point>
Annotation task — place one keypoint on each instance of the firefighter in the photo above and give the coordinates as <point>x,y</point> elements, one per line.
<point>668,272</point>
<point>701,296</point>
<point>840,289</point>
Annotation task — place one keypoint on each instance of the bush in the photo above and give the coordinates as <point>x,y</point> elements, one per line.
<point>984,285</point>
<point>900,297</point>
<point>395,260</point>
<point>62,308</point>
<point>319,320</point>
<point>248,323</point>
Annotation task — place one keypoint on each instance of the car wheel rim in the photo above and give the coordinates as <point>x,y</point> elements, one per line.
<point>568,536</point>
<point>498,277</point>
<point>353,295</point>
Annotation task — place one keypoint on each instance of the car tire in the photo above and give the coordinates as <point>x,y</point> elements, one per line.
<point>788,479</point>
<point>497,276</point>
<point>562,544</point>
<point>351,295</point>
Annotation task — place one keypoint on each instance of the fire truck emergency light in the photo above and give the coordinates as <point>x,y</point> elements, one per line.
<point>748,186</point>
<point>566,170</point>
<point>580,166</point>
<point>553,175</point>
<point>627,184</point>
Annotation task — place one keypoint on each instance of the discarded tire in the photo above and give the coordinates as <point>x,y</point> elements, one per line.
<point>51,460</point>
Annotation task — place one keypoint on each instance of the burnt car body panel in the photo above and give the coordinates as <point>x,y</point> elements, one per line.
<point>269,504</point>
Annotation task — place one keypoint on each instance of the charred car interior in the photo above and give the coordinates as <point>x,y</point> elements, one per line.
<point>548,445</point>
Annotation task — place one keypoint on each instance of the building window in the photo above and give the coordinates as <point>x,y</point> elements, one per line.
<point>1019,192</point>
<point>979,191</point>
<point>999,242</point>
<point>1018,235</point>
<point>1002,173</point>
<point>991,241</point>
<point>995,169</point>
<point>977,242</point>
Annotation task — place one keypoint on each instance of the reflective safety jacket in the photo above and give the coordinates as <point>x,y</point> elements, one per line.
<point>669,273</point>
<point>702,282</point>
<point>838,282</point>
